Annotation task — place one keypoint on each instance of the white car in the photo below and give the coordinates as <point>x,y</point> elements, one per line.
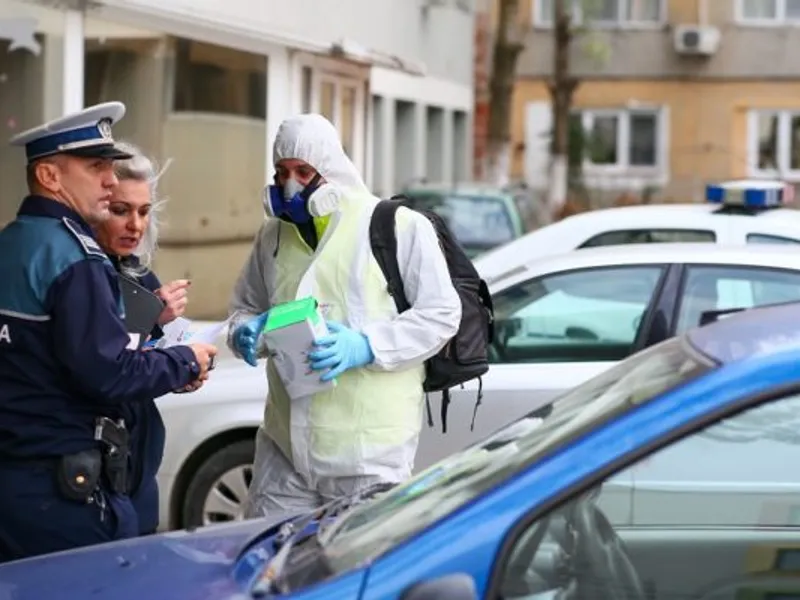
<point>662,223</point>
<point>559,321</point>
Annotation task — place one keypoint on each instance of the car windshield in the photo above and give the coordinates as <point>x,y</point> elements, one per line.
<point>371,529</point>
<point>477,222</point>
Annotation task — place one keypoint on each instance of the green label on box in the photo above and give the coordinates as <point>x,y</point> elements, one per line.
<point>291,313</point>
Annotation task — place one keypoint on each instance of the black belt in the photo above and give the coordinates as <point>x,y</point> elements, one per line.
<point>28,462</point>
<point>79,474</point>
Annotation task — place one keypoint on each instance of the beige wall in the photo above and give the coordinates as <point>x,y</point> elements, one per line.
<point>216,176</point>
<point>212,269</point>
<point>214,205</point>
<point>707,121</point>
<point>216,181</point>
<point>745,51</point>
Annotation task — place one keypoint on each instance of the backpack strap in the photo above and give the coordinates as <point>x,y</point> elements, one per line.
<point>444,407</point>
<point>477,403</point>
<point>488,304</point>
<point>428,409</point>
<point>383,239</point>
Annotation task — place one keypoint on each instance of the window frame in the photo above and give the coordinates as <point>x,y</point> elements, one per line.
<point>192,56</point>
<point>780,19</point>
<point>784,141</point>
<point>539,22</point>
<point>518,530</point>
<point>783,239</point>
<point>685,268</point>
<point>341,75</point>
<point>623,140</point>
<point>642,230</point>
<point>642,333</point>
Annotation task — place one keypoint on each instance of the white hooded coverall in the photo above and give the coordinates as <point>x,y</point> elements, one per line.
<point>366,428</point>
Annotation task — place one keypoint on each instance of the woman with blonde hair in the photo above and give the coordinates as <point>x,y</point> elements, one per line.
<point>129,236</point>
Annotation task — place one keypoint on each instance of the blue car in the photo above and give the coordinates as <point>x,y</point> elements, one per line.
<point>673,475</point>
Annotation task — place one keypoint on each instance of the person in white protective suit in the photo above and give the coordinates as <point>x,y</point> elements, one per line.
<point>315,242</point>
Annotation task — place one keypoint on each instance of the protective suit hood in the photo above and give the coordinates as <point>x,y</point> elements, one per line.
<point>314,140</point>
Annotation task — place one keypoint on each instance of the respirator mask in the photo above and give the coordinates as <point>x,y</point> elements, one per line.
<point>298,203</point>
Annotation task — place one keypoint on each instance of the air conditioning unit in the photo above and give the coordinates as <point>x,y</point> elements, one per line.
<point>696,40</point>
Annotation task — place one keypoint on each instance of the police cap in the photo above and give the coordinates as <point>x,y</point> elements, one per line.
<point>86,133</point>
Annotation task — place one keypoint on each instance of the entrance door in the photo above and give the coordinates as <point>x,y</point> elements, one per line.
<point>340,98</point>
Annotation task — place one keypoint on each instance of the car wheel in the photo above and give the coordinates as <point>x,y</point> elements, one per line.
<point>217,491</point>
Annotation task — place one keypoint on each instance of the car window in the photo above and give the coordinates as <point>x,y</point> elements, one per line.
<point>708,288</point>
<point>649,236</point>
<point>763,238</point>
<point>477,222</point>
<point>375,527</point>
<point>584,315</point>
<point>715,516</point>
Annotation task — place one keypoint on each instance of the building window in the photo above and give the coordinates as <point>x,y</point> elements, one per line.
<point>327,93</point>
<point>774,144</point>
<point>614,13</point>
<point>215,79</point>
<point>107,65</point>
<point>340,100</point>
<point>347,117</point>
<point>769,11</point>
<point>622,139</point>
<point>307,91</point>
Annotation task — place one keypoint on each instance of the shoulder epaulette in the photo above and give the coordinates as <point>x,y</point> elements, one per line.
<point>88,243</point>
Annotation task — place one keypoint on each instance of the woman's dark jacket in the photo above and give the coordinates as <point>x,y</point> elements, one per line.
<point>147,427</point>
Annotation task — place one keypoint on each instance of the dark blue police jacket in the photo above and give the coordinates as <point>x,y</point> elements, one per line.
<point>63,356</point>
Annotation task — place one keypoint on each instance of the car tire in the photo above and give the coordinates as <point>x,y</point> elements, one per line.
<point>228,458</point>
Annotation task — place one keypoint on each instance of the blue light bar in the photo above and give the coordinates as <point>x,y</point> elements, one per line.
<point>752,193</point>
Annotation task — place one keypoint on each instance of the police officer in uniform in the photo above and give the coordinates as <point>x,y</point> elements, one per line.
<point>69,372</point>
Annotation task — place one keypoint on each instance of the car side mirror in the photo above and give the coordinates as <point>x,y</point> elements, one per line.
<point>458,586</point>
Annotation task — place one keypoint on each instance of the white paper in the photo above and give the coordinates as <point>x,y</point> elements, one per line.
<point>178,332</point>
<point>133,344</point>
<point>175,332</point>
<point>210,333</point>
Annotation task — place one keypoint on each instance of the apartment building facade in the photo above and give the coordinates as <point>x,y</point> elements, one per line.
<point>673,93</point>
<point>207,83</point>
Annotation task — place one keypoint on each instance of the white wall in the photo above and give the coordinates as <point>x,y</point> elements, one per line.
<point>429,42</point>
<point>440,36</point>
<point>430,90</point>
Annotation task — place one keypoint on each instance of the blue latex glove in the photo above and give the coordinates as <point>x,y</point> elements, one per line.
<point>343,349</point>
<point>245,338</point>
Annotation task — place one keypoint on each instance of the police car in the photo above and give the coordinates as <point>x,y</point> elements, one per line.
<point>668,476</point>
<point>737,212</point>
<point>559,321</point>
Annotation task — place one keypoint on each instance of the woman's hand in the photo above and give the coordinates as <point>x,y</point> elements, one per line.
<point>174,296</point>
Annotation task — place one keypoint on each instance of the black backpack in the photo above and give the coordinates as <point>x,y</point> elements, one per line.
<point>466,355</point>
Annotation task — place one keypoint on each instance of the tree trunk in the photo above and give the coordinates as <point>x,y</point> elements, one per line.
<point>507,47</point>
<point>498,159</point>
<point>562,88</point>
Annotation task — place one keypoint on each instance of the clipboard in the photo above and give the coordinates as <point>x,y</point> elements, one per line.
<point>142,309</point>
